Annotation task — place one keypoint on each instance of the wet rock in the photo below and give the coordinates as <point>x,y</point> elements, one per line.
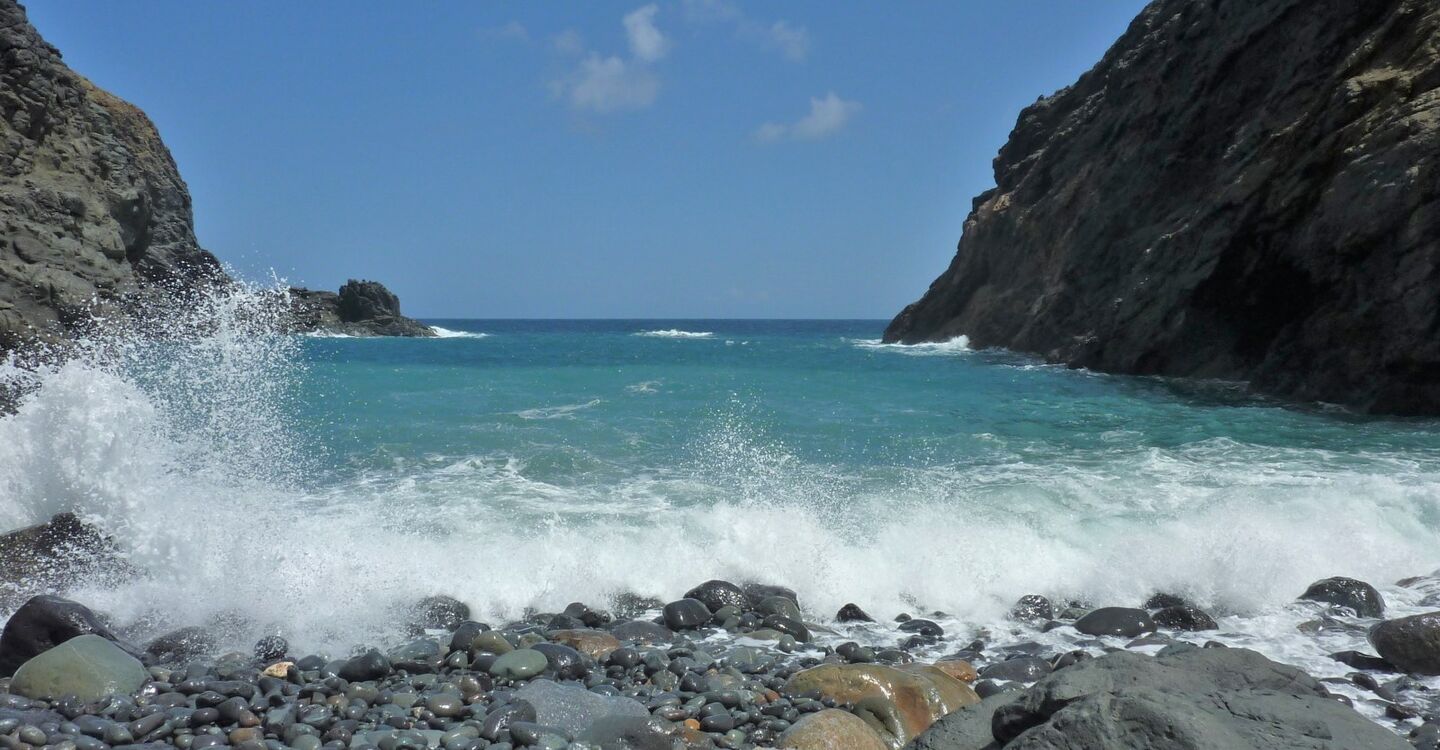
<point>853,613</point>
<point>270,648</point>
<point>44,622</point>
<point>1410,643</point>
<point>1117,621</point>
<point>687,614</point>
<point>439,612</point>
<point>1184,617</point>
<point>715,594</point>
<point>898,705</point>
<point>1196,699</point>
<point>1164,601</point>
<point>576,709</point>
<point>1032,608</point>
<point>759,592</point>
<point>181,646</point>
<point>642,632</point>
<point>1358,596</point>
<point>1360,660</point>
<point>828,730</point>
<point>87,666</point>
<point>371,665</point>
<point>519,664</point>
<point>55,555</point>
<point>596,644</point>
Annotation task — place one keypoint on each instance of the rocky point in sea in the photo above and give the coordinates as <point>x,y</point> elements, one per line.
<point>728,666</point>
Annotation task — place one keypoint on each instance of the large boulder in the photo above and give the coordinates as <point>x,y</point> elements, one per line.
<point>716,594</point>
<point>87,666</point>
<point>1410,643</point>
<point>53,556</point>
<point>1238,190</point>
<point>43,623</point>
<point>897,704</point>
<point>1117,621</point>
<point>828,730</point>
<point>1185,699</point>
<point>361,308</point>
<point>1358,596</point>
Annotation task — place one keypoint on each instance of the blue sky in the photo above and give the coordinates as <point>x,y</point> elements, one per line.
<point>691,158</point>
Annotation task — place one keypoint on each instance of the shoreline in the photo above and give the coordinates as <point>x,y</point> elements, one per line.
<point>717,667</point>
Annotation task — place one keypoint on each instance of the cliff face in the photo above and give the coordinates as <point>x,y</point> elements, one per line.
<point>92,208</point>
<point>1242,189</point>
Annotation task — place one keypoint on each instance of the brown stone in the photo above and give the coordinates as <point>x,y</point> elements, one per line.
<point>897,704</point>
<point>597,644</point>
<point>960,669</point>
<point>830,729</point>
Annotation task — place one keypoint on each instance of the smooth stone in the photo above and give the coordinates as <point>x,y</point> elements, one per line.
<point>923,627</point>
<point>897,704</point>
<point>1360,660</point>
<point>1032,608</point>
<point>1117,621</point>
<point>566,662</point>
<point>853,613</point>
<point>1358,596</point>
<point>1184,617</point>
<point>1410,643</point>
<point>642,632</point>
<point>371,665</point>
<point>791,627</point>
<point>688,613</point>
<point>596,644</point>
<point>496,726</point>
<point>89,667</point>
<point>44,622</point>
<point>439,613</point>
<point>490,642</point>
<point>829,730</point>
<point>574,709</point>
<point>779,605</point>
<point>1025,669</point>
<point>519,664</point>
<point>715,594</point>
<point>759,592</point>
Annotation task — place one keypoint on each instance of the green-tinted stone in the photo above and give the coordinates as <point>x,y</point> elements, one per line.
<point>87,666</point>
<point>491,642</point>
<point>519,664</point>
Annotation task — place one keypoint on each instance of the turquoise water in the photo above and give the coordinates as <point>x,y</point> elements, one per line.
<point>318,482</point>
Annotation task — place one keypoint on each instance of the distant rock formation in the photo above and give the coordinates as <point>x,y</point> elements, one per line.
<point>92,208</point>
<point>1240,189</point>
<point>362,308</point>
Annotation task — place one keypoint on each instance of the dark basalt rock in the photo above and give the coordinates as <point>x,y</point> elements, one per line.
<point>183,645</point>
<point>55,555</point>
<point>1359,596</point>
<point>1188,699</point>
<point>1119,621</point>
<point>717,594</point>
<point>361,308</point>
<point>686,614</point>
<point>1410,643</point>
<point>45,622</point>
<point>439,613</point>
<point>1032,608</point>
<point>1184,617</point>
<point>852,613</point>
<point>1237,190</point>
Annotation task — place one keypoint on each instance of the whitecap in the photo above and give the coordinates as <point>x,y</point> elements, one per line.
<point>675,333</point>
<point>958,345</point>
<point>556,412</point>
<point>446,333</point>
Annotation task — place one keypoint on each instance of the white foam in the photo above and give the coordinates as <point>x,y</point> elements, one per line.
<point>563,411</point>
<point>957,345</point>
<point>646,386</point>
<point>674,333</point>
<point>446,333</point>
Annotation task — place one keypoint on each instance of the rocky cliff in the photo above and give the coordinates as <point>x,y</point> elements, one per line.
<point>92,208</point>
<point>1240,189</point>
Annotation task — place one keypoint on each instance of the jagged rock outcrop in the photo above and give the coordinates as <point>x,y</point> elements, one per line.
<point>362,308</point>
<point>52,556</point>
<point>92,208</point>
<point>1240,189</point>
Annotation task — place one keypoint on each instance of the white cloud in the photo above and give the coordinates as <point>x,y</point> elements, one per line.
<point>514,30</point>
<point>609,84</point>
<point>792,41</point>
<point>827,116</point>
<point>568,42</point>
<point>647,43</point>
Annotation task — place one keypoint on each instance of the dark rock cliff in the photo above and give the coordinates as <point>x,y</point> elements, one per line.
<point>362,308</point>
<point>92,208</point>
<point>1240,189</point>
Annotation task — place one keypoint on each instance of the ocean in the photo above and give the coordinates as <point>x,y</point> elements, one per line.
<point>316,484</point>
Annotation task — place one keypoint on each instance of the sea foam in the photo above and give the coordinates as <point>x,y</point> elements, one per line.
<point>674,333</point>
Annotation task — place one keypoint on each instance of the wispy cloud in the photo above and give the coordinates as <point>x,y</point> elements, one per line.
<point>828,115</point>
<point>790,40</point>
<point>610,83</point>
<point>646,41</point>
<point>514,30</point>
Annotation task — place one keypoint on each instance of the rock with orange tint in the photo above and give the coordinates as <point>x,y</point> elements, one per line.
<point>829,729</point>
<point>960,669</point>
<point>897,704</point>
<point>596,644</point>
